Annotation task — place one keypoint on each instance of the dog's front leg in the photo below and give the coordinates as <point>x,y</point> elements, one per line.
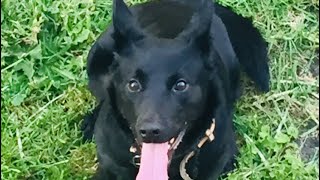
<point>220,164</point>
<point>224,146</point>
<point>87,126</point>
<point>105,174</point>
<point>111,169</point>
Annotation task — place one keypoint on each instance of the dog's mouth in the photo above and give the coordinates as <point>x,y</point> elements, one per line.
<point>156,158</point>
<point>174,143</point>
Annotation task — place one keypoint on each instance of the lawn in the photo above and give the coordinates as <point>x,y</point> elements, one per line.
<point>44,45</point>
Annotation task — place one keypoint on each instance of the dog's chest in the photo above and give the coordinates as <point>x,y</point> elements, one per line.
<point>174,169</point>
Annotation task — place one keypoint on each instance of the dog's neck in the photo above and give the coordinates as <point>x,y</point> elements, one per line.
<point>195,131</point>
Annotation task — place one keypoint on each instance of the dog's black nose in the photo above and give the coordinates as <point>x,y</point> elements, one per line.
<point>149,133</point>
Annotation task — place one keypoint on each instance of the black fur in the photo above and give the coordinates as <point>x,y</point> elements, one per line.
<point>157,44</point>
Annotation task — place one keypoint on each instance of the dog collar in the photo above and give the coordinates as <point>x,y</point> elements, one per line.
<point>209,136</point>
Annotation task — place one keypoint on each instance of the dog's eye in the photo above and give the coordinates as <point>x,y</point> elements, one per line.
<point>134,86</point>
<point>181,85</point>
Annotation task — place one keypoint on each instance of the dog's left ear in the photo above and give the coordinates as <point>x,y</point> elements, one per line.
<point>220,45</point>
<point>207,32</point>
<point>197,32</point>
<point>126,29</point>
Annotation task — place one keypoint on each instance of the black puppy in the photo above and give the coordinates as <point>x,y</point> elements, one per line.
<point>161,74</point>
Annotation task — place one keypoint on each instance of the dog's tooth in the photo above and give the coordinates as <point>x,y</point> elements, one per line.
<point>172,141</point>
<point>133,149</point>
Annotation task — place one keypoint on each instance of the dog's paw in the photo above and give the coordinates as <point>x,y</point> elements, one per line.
<point>87,127</point>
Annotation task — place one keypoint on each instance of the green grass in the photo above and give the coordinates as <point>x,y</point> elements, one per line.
<point>44,45</point>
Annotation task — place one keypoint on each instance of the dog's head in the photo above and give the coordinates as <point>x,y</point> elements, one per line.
<point>159,86</point>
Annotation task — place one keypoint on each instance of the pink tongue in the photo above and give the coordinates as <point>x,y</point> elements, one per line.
<point>154,162</point>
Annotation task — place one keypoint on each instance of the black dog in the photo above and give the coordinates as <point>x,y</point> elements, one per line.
<point>161,74</point>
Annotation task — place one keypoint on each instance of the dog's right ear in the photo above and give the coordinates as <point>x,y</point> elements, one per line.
<point>99,65</point>
<point>101,62</point>
<point>126,29</point>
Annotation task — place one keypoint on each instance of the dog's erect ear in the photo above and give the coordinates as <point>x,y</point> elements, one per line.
<point>221,46</point>
<point>197,32</point>
<point>101,56</point>
<point>99,64</point>
<point>126,29</point>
